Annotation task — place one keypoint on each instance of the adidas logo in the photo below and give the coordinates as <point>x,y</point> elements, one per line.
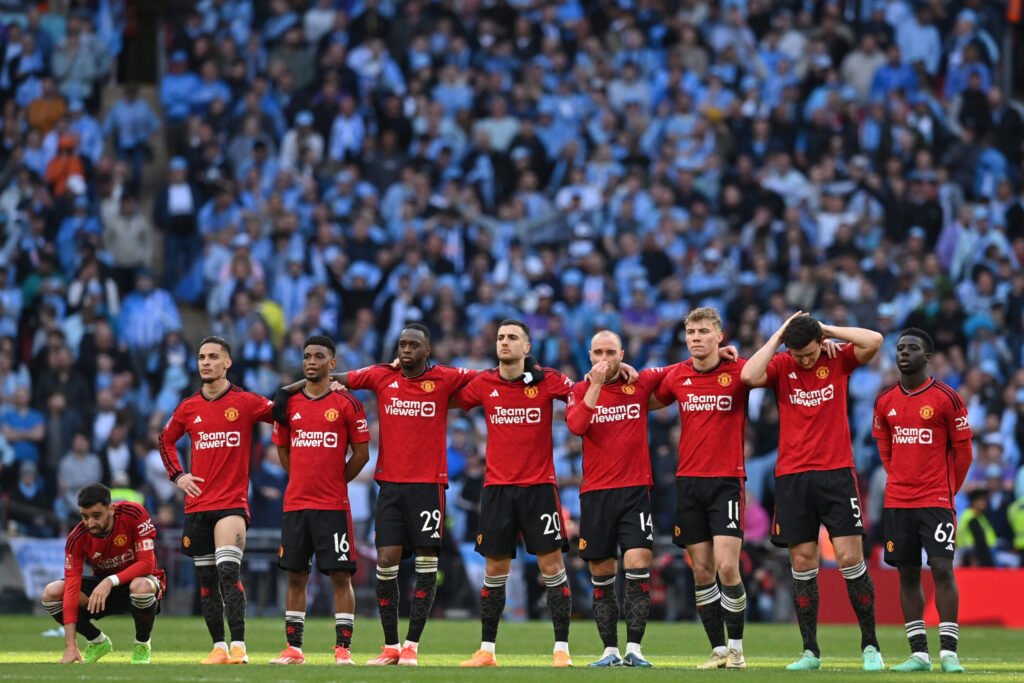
<point>688,382</point>
<point>296,416</point>
<point>892,413</point>
<point>558,537</point>
<point>197,420</point>
<point>650,537</point>
<point>342,558</point>
<point>792,375</point>
<point>95,555</point>
<point>859,524</point>
<point>949,546</point>
<point>494,394</point>
<point>435,535</point>
<point>393,385</point>
<point>732,525</point>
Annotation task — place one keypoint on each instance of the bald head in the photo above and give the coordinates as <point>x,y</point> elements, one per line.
<point>606,337</point>
<point>607,346</point>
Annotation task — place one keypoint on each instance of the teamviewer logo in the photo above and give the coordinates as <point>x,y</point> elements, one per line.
<point>233,438</point>
<point>330,440</point>
<point>532,415</point>
<point>724,403</point>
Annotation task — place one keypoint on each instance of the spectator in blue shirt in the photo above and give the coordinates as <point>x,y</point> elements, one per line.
<point>132,122</point>
<point>23,427</point>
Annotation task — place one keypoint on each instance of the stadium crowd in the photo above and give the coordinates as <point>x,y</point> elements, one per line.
<point>344,167</point>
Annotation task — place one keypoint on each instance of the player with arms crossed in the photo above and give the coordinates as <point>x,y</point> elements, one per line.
<point>321,426</point>
<point>116,540</point>
<point>815,482</point>
<point>412,471</point>
<point>925,443</point>
<point>219,419</point>
<point>520,494</point>
<point>709,480</point>
<point>615,498</point>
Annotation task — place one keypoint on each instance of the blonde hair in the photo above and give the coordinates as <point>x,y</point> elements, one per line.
<point>704,313</point>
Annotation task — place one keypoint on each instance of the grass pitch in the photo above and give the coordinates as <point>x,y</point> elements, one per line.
<point>989,654</point>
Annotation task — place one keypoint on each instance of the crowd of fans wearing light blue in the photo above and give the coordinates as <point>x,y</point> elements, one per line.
<point>346,166</point>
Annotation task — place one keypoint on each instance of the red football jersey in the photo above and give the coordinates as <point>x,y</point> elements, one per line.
<point>519,449</point>
<point>921,427</point>
<point>221,433</point>
<point>126,551</point>
<point>318,435</point>
<point>413,414</point>
<point>615,452</point>
<point>814,428</point>
<point>712,409</point>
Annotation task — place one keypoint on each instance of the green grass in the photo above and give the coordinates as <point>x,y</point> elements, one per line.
<point>178,643</point>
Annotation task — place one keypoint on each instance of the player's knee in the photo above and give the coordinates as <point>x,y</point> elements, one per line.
<point>389,557</point>
<point>729,571</point>
<point>910,574</point>
<point>298,579</point>
<point>703,573</point>
<point>141,586</point>
<point>942,572</point>
<point>551,563</point>
<point>341,580</point>
<point>53,591</point>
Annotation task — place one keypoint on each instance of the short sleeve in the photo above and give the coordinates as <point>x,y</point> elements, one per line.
<point>957,424</point>
<point>557,384</point>
<point>879,425</point>
<point>358,430</point>
<point>774,368</point>
<point>662,391</point>
<point>469,396</point>
<point>848,358</point>
<point>363,378</point>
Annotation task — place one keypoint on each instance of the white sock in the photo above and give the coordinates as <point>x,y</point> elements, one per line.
<point>633,648</point>
<point>99,639</point>
<point>238,643</point>
<point>943,653</point>
<point>396,646</point>
<point>487,647</point>
<point>142,642</point>
<point>923,656</point>
<point>721,650</point>
<point>612,651</point>
<point>736,645</point>
<point>222,645</point>
<point>415,646</point>
<point>561,646</point>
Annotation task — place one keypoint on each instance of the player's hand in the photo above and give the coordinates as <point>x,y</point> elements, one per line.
<point>337,386</point>
<point>533,371</point>
<point>396,364</point>
<point>628,373</point>
<point>599,373</point>
<point>831,348</point>
<point>788,321</point>
<point>71,656</point>
<point>280,410</point>
<point>187,483</point>
<point>729,353</point>
<point>98,599</point>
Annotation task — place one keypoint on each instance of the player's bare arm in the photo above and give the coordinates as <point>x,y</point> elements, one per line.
<point>866,343</point>
<point>72,655</point>
<point>755,372</point>
<point>355,465</point>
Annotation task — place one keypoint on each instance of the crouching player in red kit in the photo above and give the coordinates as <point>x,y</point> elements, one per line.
<point>321,426</point>
<point>117,542</point>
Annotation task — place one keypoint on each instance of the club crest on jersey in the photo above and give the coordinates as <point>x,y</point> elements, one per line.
<point>427,386</point>
<point>778,528</point>
<point>821,373</point>
<point>531,392</point>
<point>331,415</point>
<point>927,412</point>
<point>121,540</point>
<point>677,532</point>
<point>890,546</point>
<point>186,541</point>
<point>725,379</point>
<point>583,544</point>
<point>479,539</point>
<point>231,414</point>
<point>280,551</point>
<point>628,389</point>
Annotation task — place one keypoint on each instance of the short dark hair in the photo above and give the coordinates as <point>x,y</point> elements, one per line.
<point>419,327</point>
<point>802,331</point>
<point>93,494</point>
<point>214,339</point>
<point>518,323</point>
<point>320,340</point>
<point>929,345</point>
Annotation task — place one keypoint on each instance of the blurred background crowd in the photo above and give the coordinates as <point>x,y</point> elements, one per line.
<point>345,166</point>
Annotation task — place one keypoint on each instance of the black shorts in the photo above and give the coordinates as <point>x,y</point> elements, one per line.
<point>324,533</point>
<point>197,532</point>
<point>806,500</point>
<point>532,512</point>
<point>908,531</point>
<point>409,515</point>
<point>120,599</point>
<point>707,507</point>
<point>611,519</point>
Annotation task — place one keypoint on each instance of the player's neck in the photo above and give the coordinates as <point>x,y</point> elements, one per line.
<point>915,381</point>
<point>414,372</point>
<point>216,387</point>
<point>706,363</point>
<point>317,389</point>
<point>512,370</point>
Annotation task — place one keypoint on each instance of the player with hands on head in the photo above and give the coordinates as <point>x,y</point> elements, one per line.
<point>815,480</point>
<point>924,440</point>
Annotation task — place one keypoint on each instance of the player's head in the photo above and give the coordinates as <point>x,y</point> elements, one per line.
<point>414,347</point>
<point>513,341</point>
<point>803,337</point>
<point>913,350</point>
<point>214,359</point>
<point>607,346</point>
<point>95,508</point>
<point>703,332</point>
<point>318,358</point>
